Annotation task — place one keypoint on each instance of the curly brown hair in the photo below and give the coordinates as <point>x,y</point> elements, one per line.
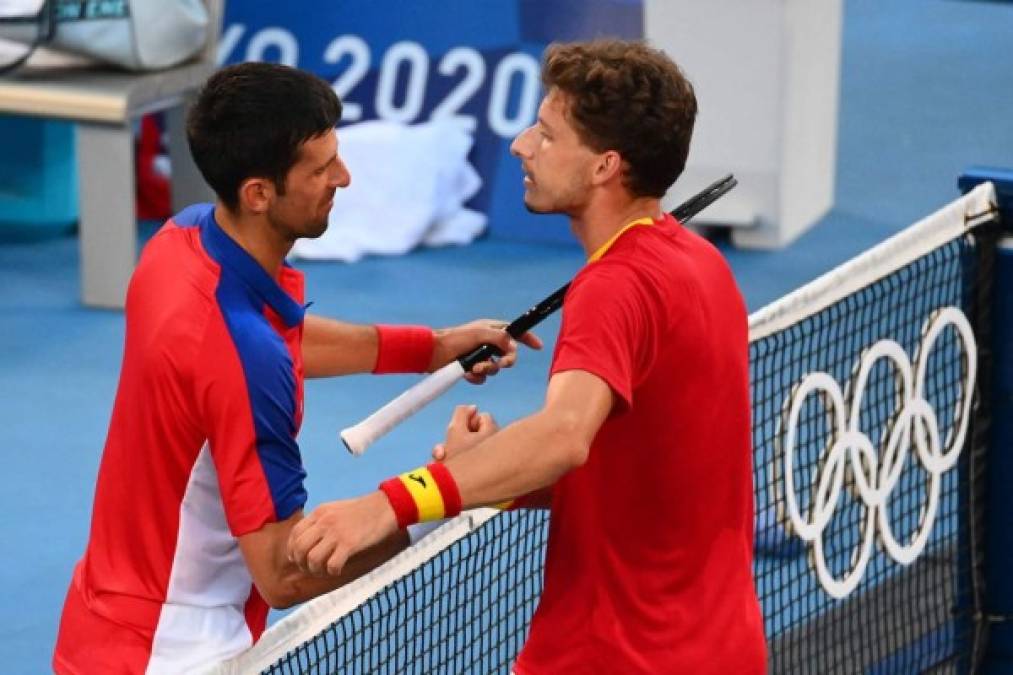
<point>627,97</point>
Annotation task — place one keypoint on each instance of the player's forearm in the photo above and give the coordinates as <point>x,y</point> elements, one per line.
<point>524,457</point>
<point>299,586</point>
<point>332,347</point>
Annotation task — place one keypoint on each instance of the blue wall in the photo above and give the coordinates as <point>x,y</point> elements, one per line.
<point>408,60</point>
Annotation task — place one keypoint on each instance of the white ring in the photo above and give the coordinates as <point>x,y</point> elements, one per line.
<point>849,449</point>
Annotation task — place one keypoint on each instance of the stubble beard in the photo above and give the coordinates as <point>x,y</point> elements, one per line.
<point>533,208</point>
<point>312,229</point>
<point>317,228</point>
<point>565,202</point>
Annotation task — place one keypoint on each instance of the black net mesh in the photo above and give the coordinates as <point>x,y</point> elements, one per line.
<point>465,611</point>
<point>897,549</point>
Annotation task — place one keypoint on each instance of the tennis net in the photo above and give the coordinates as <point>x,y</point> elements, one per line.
<point>869,445</point>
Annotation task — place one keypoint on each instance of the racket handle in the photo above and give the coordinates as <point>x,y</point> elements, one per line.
<point>517,328</point>
<point>362,435</point>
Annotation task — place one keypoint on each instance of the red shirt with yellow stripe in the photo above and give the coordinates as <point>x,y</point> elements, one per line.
<point>649,561</point>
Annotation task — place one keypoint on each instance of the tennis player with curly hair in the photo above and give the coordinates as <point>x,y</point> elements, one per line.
<point>642,447</point>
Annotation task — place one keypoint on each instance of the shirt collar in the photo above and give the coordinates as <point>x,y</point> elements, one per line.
<point>603,249</point>
<point>227,252</point>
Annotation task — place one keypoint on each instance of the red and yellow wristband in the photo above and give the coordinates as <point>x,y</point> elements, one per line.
<point>403,349</point>
<point>426,493</point>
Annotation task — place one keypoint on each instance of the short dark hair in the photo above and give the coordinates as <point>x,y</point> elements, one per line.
<point>627,97</point>
<point>250,119</point>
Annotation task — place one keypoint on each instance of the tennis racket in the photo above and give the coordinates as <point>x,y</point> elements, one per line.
<point>360,436</point>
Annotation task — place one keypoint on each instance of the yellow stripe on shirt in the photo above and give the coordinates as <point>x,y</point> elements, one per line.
<point>603,249</point>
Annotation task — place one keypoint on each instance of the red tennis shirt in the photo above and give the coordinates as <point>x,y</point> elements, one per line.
<point>649,561</point>
<point>201,450</point>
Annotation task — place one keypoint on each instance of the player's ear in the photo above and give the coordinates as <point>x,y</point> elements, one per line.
<point>256,194</point>
<point>608,167</point>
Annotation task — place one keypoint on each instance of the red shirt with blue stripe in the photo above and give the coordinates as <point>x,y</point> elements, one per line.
<point>201,450</point>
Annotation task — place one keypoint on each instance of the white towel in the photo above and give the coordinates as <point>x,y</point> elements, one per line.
<point>409,184</point>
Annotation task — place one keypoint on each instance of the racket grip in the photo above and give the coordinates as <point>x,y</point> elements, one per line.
<point>360,436</point>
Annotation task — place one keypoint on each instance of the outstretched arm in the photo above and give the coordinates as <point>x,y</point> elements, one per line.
<point>331,347</point>
<point>528,455</point>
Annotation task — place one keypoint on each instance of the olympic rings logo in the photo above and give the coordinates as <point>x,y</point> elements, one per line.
<point>913,425</point>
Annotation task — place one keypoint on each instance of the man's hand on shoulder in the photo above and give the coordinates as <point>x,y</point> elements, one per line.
<point>453,342</point>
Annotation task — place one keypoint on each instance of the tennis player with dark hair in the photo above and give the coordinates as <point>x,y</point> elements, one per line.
<point>201,478</point>
<point>642,448</point>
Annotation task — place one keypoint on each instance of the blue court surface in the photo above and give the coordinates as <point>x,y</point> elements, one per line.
<point>927,90</point>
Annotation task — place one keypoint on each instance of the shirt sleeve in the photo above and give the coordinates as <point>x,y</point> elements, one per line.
<point>610,328</point>
<point>247,396</point>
